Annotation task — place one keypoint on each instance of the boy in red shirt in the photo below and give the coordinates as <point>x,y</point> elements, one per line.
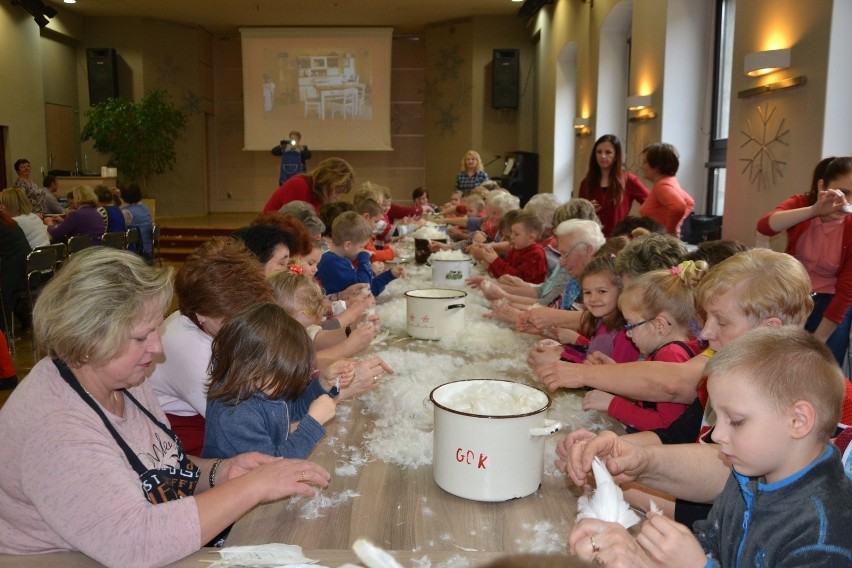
<point>526,258</point>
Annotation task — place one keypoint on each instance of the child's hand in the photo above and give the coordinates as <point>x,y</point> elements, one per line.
<point>339,374</point>
<point>322,409</point>
<point>361,337</point>
<point>475,281</point>
<point>565,335</point>
<point>435,246</point>
<point>543,352</point>
<point>488,255</point>
<point>399,272</point>
<point>597,400</point>
<point>378,267</point>
<point>479,237</point>
<point>670,543</point>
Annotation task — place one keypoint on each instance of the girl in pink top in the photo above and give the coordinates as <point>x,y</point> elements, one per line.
<point>602,325</point>
<point>667,203</point>
<point>819,234</point>
<point>660,309</point>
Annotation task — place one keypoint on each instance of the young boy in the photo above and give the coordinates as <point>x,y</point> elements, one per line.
<point>526,258</point>
<point>349,234</point>
<point>777,393</point>
<point>373,213</point>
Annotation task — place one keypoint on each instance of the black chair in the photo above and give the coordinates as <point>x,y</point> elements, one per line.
<point>78,243</point>
<point>133,240</point>
<point>155,242</point>
<point>59,249</point>
<point>41,265</point>
<point>114,239</point>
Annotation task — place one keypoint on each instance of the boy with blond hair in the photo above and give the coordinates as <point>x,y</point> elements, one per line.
<point>777,393</point>
<point>526,259</point>
<point>373,213</point>
<point>349,234</point>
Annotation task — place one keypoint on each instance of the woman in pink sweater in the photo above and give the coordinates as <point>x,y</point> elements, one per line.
<point>667,203</point>
<point>87,459</point>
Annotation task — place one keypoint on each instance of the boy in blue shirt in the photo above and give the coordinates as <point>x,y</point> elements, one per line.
<point>777,393</point>
<point>335,271</point>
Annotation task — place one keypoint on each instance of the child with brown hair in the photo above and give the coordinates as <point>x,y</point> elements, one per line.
<point>602,326</point>
<point>526,258</point>
<point>261,395</point>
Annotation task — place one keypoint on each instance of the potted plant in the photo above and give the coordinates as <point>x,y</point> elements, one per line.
<point>138,137</point>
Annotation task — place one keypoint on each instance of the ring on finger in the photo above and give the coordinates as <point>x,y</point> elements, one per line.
<point>302,477</point>
<point>595,547</point>
<point>375,379</point>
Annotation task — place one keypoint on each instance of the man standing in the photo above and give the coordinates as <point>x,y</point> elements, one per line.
<point>293,156</point>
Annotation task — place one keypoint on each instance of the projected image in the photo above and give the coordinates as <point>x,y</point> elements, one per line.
<point>327,86</point>
<point>330,84</point>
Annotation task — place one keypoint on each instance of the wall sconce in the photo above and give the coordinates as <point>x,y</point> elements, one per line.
<point>640,107</point>
<point>764,62</point>
<point>581,126</point>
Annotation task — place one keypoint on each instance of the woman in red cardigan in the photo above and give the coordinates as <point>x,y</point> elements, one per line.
<point>333,177</point>
<point>819,235</point>
<point>610,187</point>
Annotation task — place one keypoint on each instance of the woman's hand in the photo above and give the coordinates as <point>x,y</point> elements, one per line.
<point>356,307</point>
<point>322,409</point>
<point>367,375</point>
<point>339,374</point>
<point>597,400</point>
<point>608,544</point>
<point>559,374</point>
<point>565,451</point>
<point>509,280</point>
<point>829,201</point>
<point>475,281</point>
<point>599,358</point>
<point>361,338</point>
<point>279,478</point>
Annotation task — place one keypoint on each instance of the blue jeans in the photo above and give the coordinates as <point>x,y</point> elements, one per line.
<point>838,342</point>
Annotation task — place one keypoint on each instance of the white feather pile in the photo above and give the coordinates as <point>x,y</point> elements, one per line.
<point>607,502</point>
<point>543,538</point>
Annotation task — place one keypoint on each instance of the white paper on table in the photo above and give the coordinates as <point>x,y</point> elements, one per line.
<point>607,502</point>
<point>264,555</point>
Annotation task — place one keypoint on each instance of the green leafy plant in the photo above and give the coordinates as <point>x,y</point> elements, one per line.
<point>139,138</point>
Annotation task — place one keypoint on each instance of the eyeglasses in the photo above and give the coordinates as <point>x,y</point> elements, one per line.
<point>564,255</point>
<point>628,328</point>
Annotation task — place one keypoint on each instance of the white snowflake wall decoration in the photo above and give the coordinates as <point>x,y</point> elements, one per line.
<point>762,163</point>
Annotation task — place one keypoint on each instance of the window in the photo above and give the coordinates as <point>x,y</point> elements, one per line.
<point>722,67</point>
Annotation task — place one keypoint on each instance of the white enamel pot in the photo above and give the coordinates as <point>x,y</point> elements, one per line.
<point>489,458</point>
<point>434,312</point>
<point>450,273</point>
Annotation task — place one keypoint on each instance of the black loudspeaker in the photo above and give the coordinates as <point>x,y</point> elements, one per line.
<point>103,74</point>
<point>505,73</point>
<point>520,174</point>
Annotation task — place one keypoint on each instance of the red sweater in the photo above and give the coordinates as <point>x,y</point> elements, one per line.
<point>843,288</point>
<point>608,213</point>
<point>669,204</point>
<point>648,416</point>
<point>529,264</point>
<point>297,188</point>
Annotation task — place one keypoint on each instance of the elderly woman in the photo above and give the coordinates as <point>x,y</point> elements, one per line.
<point>83,220</point>
<point>88,460</point>
<point>331,178</point>
<point>217,281</point>
<point>34,193</point>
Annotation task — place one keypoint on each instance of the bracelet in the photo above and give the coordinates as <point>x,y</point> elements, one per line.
<point>213,469</point>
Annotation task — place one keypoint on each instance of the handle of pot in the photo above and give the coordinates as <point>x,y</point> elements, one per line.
<point>455,306</point>
<point>550,427</point>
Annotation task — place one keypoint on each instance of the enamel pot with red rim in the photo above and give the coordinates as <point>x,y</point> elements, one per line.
<point>489,438</point>
<point>432,313</point>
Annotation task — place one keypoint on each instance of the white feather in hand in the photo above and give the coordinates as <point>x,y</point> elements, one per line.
<point>607,502</point>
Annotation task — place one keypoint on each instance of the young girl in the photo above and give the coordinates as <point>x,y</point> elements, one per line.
<point>261,396</point>
<point>659,307</point>
<point>602,325</point>
<point>304,301</point>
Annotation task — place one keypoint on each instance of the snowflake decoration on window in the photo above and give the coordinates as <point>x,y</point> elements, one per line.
<point>762,165</point>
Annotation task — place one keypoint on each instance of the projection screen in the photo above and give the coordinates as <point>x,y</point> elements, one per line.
<point>331,84</point>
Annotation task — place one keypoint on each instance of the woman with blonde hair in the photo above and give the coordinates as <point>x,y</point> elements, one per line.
<point>472,172</point>
<point>84,220</point>
<point>86,444</point>
<point>332,178</point>
<point>14,201</point>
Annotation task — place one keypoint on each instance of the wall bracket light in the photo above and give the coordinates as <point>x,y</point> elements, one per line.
<point>581,126</point>
<point>640,108</point>
<point>762,63</point>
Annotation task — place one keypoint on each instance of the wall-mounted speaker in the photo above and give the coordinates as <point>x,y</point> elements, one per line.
<point>505,78</point>
<point>102,64</point>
